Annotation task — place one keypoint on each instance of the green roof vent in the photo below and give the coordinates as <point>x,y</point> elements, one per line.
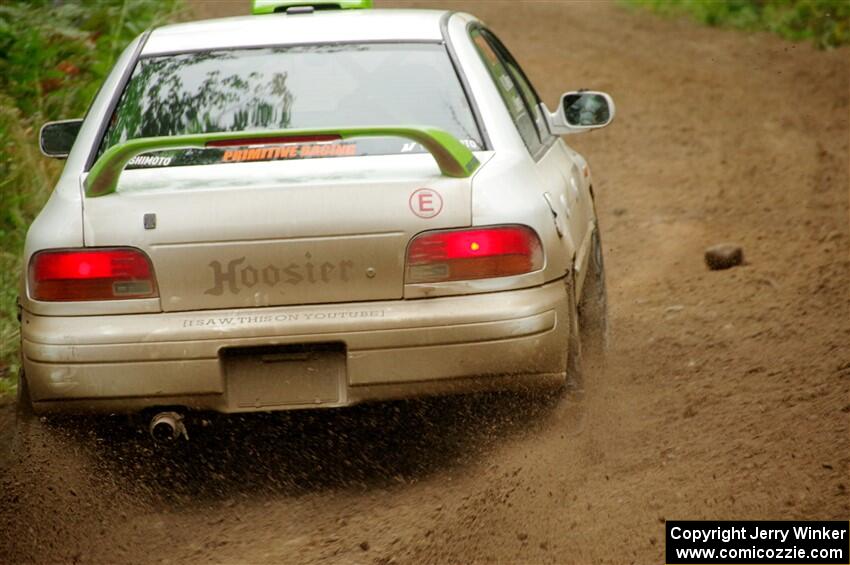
<point>301,6</point>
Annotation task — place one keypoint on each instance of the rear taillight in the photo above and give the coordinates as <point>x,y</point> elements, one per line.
<point>457,255</point>
<point>91,274</point>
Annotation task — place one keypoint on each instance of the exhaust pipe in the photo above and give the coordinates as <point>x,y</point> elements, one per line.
<point>167,427</point>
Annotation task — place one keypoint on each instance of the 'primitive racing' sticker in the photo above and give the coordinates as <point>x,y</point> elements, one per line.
<point>300,151</point>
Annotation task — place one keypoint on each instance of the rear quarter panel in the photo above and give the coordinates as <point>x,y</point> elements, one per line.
<point>60,222</point>
<point>509,189</point>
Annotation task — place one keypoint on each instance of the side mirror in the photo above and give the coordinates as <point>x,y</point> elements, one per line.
<point>56,138</point>
<point>580,111</point>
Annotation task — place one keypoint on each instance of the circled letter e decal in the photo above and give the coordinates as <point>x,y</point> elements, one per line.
<point>426,203</point>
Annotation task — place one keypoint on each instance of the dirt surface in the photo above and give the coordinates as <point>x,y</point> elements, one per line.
<point>725,395</point>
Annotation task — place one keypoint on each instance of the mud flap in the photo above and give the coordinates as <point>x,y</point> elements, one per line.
<point>575,377</point>
<point>23,403</point>
<point>593,305</point>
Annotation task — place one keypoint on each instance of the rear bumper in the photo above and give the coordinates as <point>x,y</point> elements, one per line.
<point>393,349</point>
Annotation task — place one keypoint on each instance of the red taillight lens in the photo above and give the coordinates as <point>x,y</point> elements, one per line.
<point>91,274</point>
<point>458,255</point>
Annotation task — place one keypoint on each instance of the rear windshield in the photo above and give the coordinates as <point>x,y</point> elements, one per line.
<point>314,86</point>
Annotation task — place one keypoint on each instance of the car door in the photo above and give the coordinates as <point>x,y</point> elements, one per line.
<point>561,182</point>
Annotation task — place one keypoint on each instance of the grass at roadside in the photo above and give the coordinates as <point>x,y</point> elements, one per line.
<point>826,22</point>
<point>53,57</point>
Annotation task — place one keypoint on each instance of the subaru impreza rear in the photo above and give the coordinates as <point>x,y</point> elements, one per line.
<point>233,232</point>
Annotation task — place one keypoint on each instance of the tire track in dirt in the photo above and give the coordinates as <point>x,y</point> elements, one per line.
<point>725,394</point>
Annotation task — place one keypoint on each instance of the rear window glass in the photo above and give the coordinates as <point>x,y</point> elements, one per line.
<point>314,86</point>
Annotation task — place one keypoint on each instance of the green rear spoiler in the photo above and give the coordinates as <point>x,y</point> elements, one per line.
<point>453,158</point>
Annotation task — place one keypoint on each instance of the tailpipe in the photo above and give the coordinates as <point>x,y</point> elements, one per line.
<point>167,427</point>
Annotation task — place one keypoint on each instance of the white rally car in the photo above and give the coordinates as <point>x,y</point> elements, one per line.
<point>310,207</point>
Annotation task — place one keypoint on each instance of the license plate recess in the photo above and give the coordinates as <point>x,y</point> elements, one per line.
<point>269,377</point>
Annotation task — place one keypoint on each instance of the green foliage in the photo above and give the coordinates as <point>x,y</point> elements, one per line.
<point>54,55</point>
<point>826,22</point>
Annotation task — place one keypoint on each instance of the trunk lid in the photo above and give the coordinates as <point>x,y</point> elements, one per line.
<point>271,233</point>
